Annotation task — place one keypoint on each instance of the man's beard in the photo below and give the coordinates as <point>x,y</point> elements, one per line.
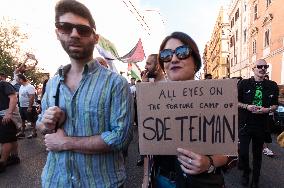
<point>152,74</point>
<point>85,53</point>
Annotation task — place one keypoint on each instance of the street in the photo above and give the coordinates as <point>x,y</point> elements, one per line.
<point>33,156</point>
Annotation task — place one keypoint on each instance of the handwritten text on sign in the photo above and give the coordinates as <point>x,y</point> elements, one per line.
<point>198,115</point>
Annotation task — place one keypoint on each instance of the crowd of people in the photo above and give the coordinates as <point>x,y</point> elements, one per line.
<point>17,108</point>
<point>87,113</point>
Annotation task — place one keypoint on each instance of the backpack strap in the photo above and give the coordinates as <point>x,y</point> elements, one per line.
<point>57,101</point>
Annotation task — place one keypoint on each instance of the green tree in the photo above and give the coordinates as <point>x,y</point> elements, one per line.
<point>11,54</point>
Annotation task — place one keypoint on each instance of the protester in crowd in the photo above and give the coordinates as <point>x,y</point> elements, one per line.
<point>133,86</point>
<point>153,69</point>
<point>102,61</point>
<point>8,130</point>
<point>88,107</point>
<point>133,92</point>
<point>179,57</point>
<point>257,98</point>
<point>208,76</point>
<point>28,109</point>
<point>22,68</point>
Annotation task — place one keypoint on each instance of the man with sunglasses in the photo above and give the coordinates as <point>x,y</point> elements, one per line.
<point>87,109</point>
<point>257,98</point>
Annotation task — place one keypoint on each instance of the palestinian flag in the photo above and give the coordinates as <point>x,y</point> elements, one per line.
<point>135,55</point>
<point>108,51</point>
<point>134,71</point>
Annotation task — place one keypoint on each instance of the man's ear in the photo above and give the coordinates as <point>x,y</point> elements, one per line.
<point>57,35</point>
<point>96,36</point>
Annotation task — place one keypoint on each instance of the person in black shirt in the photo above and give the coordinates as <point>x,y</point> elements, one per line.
<point>8,130</point>
<point>257,98</point>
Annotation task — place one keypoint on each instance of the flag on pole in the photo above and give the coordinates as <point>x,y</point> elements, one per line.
<point>135,55</point>
<point>109,52</point>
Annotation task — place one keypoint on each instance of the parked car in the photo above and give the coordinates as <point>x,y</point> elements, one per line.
<point>279,116</point>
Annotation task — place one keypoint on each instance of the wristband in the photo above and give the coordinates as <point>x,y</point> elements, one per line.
<point>244,106</point>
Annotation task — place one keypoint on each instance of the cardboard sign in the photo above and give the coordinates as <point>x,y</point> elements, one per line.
<point>201,116</point>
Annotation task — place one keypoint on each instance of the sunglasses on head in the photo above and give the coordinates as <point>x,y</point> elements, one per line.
<point>262,66</point>
<point>67,28</point>
<point>182,52</point>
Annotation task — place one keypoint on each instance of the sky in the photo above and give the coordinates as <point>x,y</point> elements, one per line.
<point>196,18</point>
<point>114,21</point>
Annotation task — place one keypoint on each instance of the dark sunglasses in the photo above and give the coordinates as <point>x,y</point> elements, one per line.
<point>182,52</point>
<point>67,28</point>
<point>262,66</point>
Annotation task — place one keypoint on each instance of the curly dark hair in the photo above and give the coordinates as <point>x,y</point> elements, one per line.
<point>75,7</point>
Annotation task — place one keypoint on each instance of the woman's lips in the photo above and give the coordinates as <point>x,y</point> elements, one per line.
<point>175,68</point>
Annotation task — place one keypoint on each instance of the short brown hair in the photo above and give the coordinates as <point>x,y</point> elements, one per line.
<point>75,7</point>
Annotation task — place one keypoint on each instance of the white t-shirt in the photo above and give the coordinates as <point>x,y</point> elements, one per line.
<point>133,89</point>
<point>24,93</point>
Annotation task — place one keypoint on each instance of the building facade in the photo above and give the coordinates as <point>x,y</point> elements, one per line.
<point>256,32</point>
<point>267,36</point>
<point>239,27</point>
<point>216,52</point>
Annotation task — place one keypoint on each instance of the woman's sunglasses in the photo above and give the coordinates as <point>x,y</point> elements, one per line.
<point>182,52</point>
<point>67,28</point>
<point>262,66</point>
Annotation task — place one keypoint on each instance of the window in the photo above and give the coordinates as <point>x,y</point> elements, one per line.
<point>245,35</point>
<point>232,22</point>
<point>254,47</point>
<point>237,15</point>
<point>232,62</point>
<point>266,38</point>
<point>255,12</point>
<point>237,35</point>
<point>245,7</point>
<point>232,41</point>
<point>268,2</point>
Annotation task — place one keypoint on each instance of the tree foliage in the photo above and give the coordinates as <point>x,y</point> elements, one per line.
<point>11,54</point>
